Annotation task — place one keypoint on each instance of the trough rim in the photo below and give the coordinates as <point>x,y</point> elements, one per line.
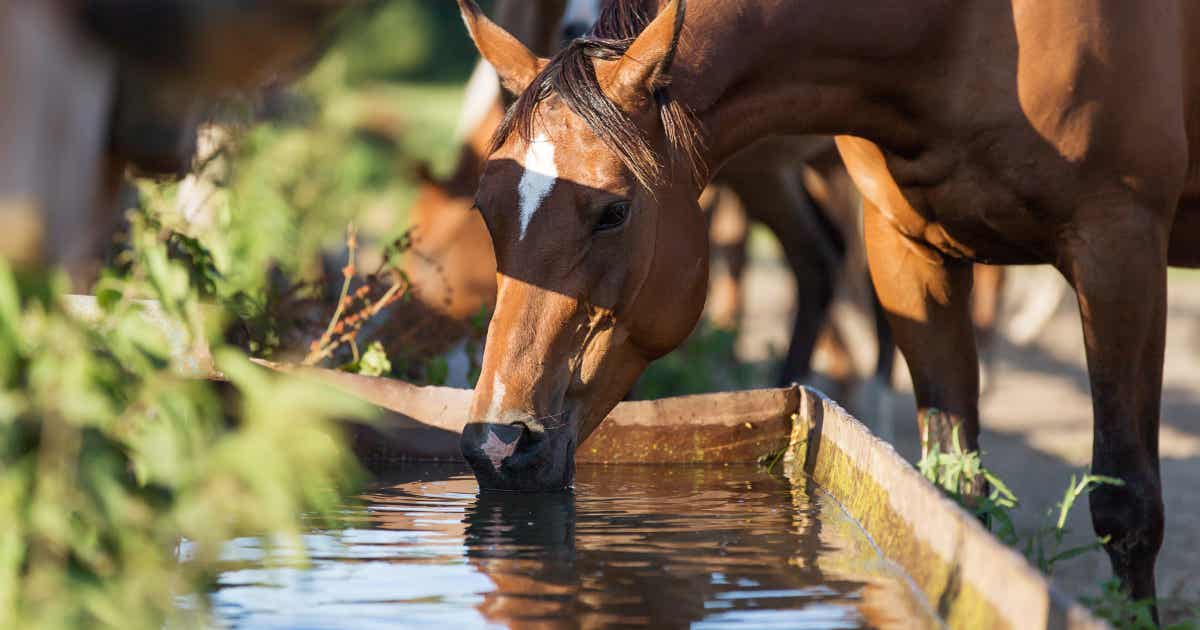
<point>972,579</point>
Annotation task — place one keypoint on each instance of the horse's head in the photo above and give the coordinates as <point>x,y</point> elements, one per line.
<point>590,198</point>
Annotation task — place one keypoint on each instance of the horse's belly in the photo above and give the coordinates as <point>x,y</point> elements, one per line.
<point>967,214</point>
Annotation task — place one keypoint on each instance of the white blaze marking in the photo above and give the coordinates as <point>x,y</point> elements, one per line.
<point>497,403</point>
<point>538,180</point>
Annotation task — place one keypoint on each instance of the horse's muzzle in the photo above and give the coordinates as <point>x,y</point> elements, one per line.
<point>516,456</point>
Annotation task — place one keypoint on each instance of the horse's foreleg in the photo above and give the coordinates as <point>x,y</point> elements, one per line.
<point>1119,274</point>
<point>927,299</point>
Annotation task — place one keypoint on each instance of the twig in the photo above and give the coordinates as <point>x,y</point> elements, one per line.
<point>354,309</point>
<point>347,276</point>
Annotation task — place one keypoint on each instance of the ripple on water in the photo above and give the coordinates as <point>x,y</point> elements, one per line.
<point>728,547</point>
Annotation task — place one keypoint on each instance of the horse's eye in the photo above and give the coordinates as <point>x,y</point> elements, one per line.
<point>614,216</point>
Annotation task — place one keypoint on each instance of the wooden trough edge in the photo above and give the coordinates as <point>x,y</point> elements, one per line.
<point>424,424</point>
<point>971,579</point>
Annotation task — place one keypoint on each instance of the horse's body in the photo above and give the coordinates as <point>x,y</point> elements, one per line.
<point>1062,132</point>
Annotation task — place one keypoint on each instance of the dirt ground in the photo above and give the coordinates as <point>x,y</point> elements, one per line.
<point>1037,425</point>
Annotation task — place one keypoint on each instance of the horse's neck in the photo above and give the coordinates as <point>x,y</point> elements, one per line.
<point>774,67</point>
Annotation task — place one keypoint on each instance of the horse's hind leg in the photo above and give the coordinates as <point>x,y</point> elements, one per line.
<point>927,299</point>
<point>814,249</point>
<point>1119,274</point>
<point>985,312</point>
<point>728,230</point>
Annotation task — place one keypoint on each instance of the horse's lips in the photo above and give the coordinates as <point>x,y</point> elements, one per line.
<point>531,451</point>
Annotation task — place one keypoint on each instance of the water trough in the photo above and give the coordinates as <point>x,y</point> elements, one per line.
<point>968,577</point>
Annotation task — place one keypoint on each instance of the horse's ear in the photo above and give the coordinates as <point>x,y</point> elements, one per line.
<point>630,80</point>
<point>513,61</point>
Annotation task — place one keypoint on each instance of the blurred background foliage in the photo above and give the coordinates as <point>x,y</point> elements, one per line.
<point>120,478</point>
<point>341,147</point>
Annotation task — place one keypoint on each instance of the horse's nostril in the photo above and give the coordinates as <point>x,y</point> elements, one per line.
<point>533,431</point>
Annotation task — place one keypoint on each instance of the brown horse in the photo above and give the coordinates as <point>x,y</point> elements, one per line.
<point>453,269</point>
<point>1002,132</point>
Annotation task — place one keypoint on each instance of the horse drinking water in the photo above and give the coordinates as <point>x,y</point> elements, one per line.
<point>1063,132</point>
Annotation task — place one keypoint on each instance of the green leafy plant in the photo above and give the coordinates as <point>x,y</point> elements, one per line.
<point>1044,546</point>
<point>956,471</point>
<point>1114,605</point>
<point>121,479</point>
<point>373,362</point>
<point>110,460</point>
<point>356,309</point>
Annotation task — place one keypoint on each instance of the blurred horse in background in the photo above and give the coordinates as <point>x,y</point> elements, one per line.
<point>94,87</point>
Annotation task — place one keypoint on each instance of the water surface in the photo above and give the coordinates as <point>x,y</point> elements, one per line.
<point>633,546</point>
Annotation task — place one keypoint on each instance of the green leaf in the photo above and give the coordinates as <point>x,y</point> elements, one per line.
<point>374,362</point>
<point>1074,552</point>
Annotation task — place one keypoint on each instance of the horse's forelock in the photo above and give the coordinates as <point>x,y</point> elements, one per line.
<point>571,76</point>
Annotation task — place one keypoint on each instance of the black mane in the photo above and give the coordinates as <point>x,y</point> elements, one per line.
<point>571,76</point>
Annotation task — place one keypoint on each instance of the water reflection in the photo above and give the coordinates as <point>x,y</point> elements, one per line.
<point>633,546</point>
